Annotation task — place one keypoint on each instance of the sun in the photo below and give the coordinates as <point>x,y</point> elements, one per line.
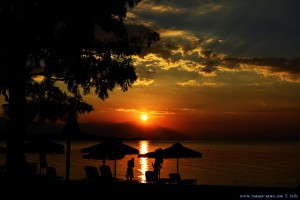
<point>144,117</point>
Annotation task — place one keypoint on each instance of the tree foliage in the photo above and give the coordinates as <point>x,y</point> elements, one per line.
<point>82,45</point>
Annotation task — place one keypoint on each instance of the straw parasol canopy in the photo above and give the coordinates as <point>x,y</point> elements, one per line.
<point>43,147</point>
<point>108,150</point>
<point>177,151</point>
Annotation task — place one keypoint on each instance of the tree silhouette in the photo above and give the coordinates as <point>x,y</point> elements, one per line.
<point>55,51</point>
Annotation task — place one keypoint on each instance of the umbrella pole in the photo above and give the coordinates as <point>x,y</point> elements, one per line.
<point>43,162</point>
<point>40,163</point>
<point>115,168</point>
<point>68,159</point>
<point>177,165</point>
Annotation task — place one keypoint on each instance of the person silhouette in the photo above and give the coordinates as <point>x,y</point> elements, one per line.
<point>157,166</point>
<point>130,165</point>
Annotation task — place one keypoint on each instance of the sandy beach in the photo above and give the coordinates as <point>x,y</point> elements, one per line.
<point>135,190</point>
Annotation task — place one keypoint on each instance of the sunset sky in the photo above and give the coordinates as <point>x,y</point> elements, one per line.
<point>256,92</point>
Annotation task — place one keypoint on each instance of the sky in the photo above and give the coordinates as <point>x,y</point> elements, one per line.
<point>254,93</point>
<point>222,68</point>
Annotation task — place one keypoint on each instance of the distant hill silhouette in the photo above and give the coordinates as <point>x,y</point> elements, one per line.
<point>98,130</point>
<point>131,130</point>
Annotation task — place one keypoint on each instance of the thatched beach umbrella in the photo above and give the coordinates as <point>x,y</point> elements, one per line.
<point>177,151</point>
<point>43,147</point>
<point>153,154</point>
<point>108,150</point>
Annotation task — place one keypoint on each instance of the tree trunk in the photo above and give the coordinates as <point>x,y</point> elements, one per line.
<point>71,129</point>
<point>15,159</point>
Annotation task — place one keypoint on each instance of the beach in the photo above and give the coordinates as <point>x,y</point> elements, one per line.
<point>224,172</point>
<point>135,190</point>
<point>222,163</point>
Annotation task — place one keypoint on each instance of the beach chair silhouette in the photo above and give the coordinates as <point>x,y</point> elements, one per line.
<point>106,174</point>
<point>31,169</point>
<point>150,176</point>
<point>51,173</point>
<point>175,178</point>
<point>105,171</point>
<point>91,173</point>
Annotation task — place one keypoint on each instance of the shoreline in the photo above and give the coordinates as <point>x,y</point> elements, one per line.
<point>75,188</point>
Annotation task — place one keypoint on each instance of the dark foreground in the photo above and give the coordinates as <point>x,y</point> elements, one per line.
<point>133,190</point>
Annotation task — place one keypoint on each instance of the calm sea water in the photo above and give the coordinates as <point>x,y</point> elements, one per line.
<point>270,164</point>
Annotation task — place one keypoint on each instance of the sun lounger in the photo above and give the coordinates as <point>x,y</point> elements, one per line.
<point>92,173</point>
<point>150,176</point>
<point>105,171</point>
<point>106,175</point>
<point>176,179</point>
<point>51,173</point>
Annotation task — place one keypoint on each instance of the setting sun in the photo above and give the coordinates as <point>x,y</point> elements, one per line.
<point>144,117</point>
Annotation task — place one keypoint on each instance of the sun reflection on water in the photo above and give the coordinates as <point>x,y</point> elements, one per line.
<point>143,148</point>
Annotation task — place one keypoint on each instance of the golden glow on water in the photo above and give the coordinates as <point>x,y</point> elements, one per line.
<point>143,148</point>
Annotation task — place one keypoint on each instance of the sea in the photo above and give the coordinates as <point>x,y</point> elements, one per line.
<point>228,163</point>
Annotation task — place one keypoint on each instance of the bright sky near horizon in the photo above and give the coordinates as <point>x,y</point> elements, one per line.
<point>183,88</point>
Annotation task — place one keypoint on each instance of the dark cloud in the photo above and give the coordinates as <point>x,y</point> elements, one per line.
<point>248,28</point>
<point>291,66</point>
